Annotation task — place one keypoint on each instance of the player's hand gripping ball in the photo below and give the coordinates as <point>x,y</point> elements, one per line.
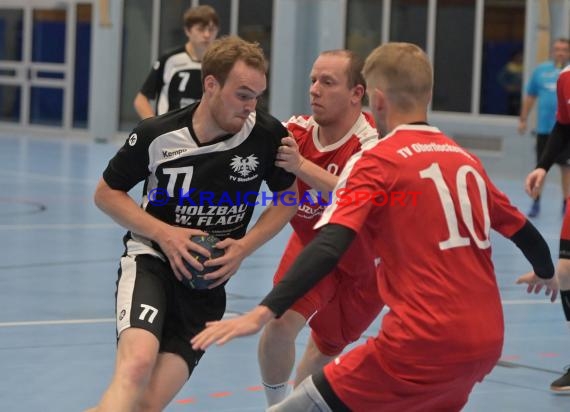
<point>198,281</point>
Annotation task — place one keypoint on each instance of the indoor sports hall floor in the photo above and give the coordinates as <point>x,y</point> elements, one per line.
<point>58,271</point>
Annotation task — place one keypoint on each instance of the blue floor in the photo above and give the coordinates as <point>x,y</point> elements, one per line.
<point>57,277</point>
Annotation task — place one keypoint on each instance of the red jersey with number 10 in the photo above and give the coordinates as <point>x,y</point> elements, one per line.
<point>432,237</point>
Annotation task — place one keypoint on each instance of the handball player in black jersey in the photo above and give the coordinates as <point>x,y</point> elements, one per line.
<point>202,167</point>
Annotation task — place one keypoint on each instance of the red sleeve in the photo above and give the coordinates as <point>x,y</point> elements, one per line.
<point>563,97</point>
<point>361,176</point>
<point>297,126</point>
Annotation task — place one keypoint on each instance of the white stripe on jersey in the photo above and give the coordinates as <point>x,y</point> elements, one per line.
<point>181,139</point>
<point>361,129</point>
<point>418,127</point>
<point>303,121</point>
<point>175,63</point>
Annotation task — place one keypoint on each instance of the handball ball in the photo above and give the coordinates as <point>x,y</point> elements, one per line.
<point>198,281</point>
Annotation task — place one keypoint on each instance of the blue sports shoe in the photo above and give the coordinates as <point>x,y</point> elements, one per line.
<point>534,209</point>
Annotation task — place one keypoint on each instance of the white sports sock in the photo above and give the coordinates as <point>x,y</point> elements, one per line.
<point>275,393</point>
<point>306,397</point>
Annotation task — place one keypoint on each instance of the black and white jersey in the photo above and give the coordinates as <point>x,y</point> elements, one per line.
<point>175,81</point>
<point>212,187</point>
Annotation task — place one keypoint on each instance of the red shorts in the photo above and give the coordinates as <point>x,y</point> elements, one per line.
<point>340,309</point>
<point>366,381</point>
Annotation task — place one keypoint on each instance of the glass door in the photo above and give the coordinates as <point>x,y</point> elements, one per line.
<point>37,62</point>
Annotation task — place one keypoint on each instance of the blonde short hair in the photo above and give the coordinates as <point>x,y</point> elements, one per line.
<point>403,72</point>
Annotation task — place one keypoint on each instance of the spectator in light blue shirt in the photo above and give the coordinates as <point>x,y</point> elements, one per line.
<point>541,88</point>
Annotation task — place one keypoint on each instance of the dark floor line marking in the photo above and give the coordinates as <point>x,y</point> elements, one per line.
<point>38,207</point>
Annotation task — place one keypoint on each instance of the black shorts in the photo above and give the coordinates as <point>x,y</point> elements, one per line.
<point>150,297</point>
<point>563,159</point>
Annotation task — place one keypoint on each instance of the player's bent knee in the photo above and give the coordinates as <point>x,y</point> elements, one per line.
<point>282,329</point>
<point>136,369</point>
<point>330,349</point>
<point>329,345</point>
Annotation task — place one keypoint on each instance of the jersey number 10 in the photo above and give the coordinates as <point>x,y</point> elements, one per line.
<point>455,239</point>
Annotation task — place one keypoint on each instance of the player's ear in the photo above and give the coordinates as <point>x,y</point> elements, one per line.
<point>210,83</point>
<point>376,99</point>
<point>358,93</point>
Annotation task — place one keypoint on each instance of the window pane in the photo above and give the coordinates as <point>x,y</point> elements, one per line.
<point>10,103</point>
<point>501,71</point>
<point>48,41</point>
<point>256,27</point>
<point>46,106</point>
<point>11,23</point>
<point>453,61</point>
<point>408,21</point>
<point>136,62</point>
<point>363,26</point>
<point>172,25</point>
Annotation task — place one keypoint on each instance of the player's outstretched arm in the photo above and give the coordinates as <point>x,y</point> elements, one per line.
<point>174,241</point>
<point>314,263</point>
<point>223,331</point>
<point>528,103</point>
<point>535,249</point>
<point>535,284</point>
<point>534,182</point>
<point>557,142</point>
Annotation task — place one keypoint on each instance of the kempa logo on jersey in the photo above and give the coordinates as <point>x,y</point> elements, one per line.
<point>192,198</point>
<point>243,167</point>
<point>169,153</point>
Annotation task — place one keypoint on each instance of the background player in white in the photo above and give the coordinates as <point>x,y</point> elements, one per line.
<point>189,148</point>
<point>444,331</point>
<point>341,306</point>
<point>175,78</point>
